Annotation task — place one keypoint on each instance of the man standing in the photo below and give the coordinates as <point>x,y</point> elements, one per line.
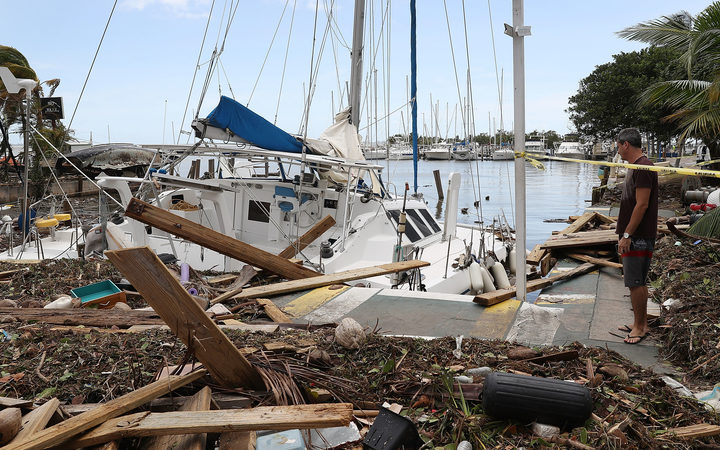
<point>637,229</point>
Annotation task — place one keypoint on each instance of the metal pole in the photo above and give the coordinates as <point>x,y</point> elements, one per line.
<point>518,35</point>
<point>26,162</point>
<point>357,62</point>
<point>413,92</point>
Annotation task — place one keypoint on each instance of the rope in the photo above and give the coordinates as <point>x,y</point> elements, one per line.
<point>197,68</point>
<point>87,77</point>
<point>452,52</point>
<point>287,48</point>
<point>272,41</point>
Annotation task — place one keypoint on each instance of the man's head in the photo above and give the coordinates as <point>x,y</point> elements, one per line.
<point>629,144</point>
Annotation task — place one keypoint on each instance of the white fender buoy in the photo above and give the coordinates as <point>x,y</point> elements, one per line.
<point>511,260</point>
<point>501,278</point>
<point>476,278</point>
<point>488,285</point>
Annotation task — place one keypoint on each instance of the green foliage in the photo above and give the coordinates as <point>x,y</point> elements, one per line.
<point>708,225</point>
<point>608,99</point>
<point>693,97</point>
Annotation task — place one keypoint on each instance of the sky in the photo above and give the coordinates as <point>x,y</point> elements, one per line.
<point>141,81</point>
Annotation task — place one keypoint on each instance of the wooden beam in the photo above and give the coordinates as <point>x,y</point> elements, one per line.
<point>693,431</point>
<point>308,238</point>
<point>578,224</point>
<point>241,440</point>
<point>199,402</point>
<point>246,274</point>
<point>273,311</point>
<point>36,420</point>
<point>326,280</point>
<point>546,264</point>
<point>536,255</point>
<point>216,241</point>
<point>58,434</point>
<point>494,297</point>
<point>185,318</point>
<point>220,421</point>
<point>581,241</point>
<point>87,317</point>
<point>598,261</point>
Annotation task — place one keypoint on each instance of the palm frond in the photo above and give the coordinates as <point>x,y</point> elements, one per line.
<point>673,31</point>
<point>709,18</point>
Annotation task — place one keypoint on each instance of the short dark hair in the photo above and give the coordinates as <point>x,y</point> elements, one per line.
<point>630,135</point>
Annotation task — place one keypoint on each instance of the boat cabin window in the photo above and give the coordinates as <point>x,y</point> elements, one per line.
<point>257,211</point>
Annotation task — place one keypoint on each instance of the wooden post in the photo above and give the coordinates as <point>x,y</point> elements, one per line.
<point>185,318</point>
<point>438,184</point>
<point>211,168</point>
<point>308,238</point>
<point>209,238</point>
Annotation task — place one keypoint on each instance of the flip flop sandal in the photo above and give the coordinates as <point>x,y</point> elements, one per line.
<point>639,339</point>
<point>625,328</point>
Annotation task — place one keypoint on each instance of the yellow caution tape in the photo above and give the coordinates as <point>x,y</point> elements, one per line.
<point>535,163</point>
<point>705,163</point>
<point>659,169</point>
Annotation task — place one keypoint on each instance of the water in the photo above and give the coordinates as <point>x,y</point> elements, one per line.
<point>559,191</point>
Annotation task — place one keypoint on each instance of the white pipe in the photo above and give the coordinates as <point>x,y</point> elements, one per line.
<point>451,205</point>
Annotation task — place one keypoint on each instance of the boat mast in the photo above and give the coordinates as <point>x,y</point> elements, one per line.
<point>518,31</point>
<point>413,92</point>
<point>357,60</point>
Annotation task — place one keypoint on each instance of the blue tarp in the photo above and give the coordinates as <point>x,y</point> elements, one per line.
<point>229,114</point>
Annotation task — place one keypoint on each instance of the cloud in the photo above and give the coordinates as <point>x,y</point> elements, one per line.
<point>190,9</point>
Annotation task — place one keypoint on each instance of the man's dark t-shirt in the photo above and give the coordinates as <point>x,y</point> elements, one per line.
<point>639,179</point>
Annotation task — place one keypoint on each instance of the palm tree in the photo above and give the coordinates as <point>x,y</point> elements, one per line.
<point>694,100</point>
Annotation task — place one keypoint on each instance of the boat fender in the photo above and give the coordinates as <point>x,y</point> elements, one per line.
<point>512,263</point>
<point>501,278</point>
<point>476,278</point>
<point>488,285</point>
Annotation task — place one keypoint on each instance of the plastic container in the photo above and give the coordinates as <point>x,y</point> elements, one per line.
<point>528,399</point>
<point>103,294</point>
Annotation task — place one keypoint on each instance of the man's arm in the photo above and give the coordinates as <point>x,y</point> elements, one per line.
<point>642,201</point>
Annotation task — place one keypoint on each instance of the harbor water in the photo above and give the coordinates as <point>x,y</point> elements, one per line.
<point>562,189</point>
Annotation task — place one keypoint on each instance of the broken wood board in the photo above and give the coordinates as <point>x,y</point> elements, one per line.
<point>36,420</point>
<point>326,280</point>
<point>273,311</point>
<point>198,402</point>
<point>546,264</point>
<point>184,317</point>
<point>569,355</point>
<point>246,274</point>
<point>222,401</point>
<point>58,434</point>
<point>241,440</point>
<point>9,402</point>
<point>583,234</point>
<point>323,415</point>
<point>598,261</point>
<point>8,273</point>
<point>82,316</point>
<point>494,297</point>
<point>693,431</point>
<point>578,240</point>
<point>214,240</point>
<point>536,255</point>
<point>580,222</point>
<point>308,238</point>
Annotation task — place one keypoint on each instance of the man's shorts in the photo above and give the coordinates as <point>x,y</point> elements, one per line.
<point>636,262</point>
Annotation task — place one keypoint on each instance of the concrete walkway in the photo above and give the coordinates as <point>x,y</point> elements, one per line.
<point>587,309</point>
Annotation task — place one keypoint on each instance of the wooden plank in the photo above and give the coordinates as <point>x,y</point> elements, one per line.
<point>36,420</point>
<point>185,318</point>
<point>199,402</point>
<point>308,238</point>
<point>8,273</point>
<point>209,238</point>
<point>569,355</point>
<point>246,274</point>
<point>598,261</point>
<point>494,297</point>
<point>9,402</point>
<point>326,280</point>
<point>693,431</point>
<point>581,241</point>
<point>57,434</point>
<point>273,311</point>
<point>546,264</point>
<point>322,415</point>
<point>578,224</point>
<point>536,255</point>
<point>87,317</point>
<point>584,235</point>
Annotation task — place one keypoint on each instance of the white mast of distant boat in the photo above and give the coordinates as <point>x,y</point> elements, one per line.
<point>13,86</point>
<point>357,62</point>
<point>518,31</point>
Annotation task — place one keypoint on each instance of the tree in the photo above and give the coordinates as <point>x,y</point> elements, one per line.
<point>609,99</point>
<point>694,98</point>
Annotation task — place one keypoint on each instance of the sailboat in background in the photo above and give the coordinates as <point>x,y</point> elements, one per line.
<point>316,178</point>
